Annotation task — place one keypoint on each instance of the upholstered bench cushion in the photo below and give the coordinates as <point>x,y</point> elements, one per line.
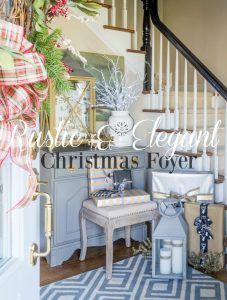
<point>120,210</point>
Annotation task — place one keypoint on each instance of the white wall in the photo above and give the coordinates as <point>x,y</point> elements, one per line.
<point>201,25</point>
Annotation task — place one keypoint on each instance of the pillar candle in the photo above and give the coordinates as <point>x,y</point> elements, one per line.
<point>165,261</point>
<point>177,256</point>
<point>167,244</point>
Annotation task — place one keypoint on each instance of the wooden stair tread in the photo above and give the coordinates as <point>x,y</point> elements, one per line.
<point>102,4</point>
<point>119,28</point>
<point>157,110</point>
<point>149,92</point>
<point>191,154</point>
<point>146,92</point>
<point>167,130</point>
<point>172,130</point>
<point>221,179</point>
<point>136,51</point>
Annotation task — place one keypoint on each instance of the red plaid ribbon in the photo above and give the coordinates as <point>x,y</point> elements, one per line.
<point>20,101</point>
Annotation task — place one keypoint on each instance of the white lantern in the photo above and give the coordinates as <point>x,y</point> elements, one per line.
<point>169,243</point>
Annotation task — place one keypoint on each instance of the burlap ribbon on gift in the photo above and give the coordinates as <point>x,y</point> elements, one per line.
<point>20,100</point>
<point>192,195</point>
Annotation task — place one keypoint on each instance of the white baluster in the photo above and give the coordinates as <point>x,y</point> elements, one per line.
<point>205,157</point>
<point>215,157</point>
<point>195,97</point>
<point>160,72</point>
<point>167,114</point>
<point>225,164</point>
<point>153,67</point>
<point>176,110</point>
<point>135,34</point>
<point>185,95</point>
<point>113,14</point>
<point>124,14</point>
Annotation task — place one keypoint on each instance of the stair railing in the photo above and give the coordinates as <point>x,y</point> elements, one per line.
<point>178,84</point>
<point>189,56</point>
<point>181,96</point>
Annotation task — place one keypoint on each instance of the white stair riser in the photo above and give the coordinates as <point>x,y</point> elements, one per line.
<point>164,149</point>
<point>190,101</point>
<point>134,63</point>
<point>191,163</point>
<point>190,116</point>
<point>177,162</point>
<point>221,141</point>
<point>200,117</point>
<point>103,17</point>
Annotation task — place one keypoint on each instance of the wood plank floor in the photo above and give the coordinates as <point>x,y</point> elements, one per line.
<point>95,259</point>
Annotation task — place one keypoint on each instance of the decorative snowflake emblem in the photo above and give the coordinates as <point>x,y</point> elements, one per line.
<point>121,128</point>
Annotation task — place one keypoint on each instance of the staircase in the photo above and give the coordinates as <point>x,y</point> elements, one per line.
<point>195,105</point>
<point>188,101</point>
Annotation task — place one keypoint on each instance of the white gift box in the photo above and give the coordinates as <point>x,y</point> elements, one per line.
<point>132,196</point>
<point>100,179</point>
<point>181,183</point>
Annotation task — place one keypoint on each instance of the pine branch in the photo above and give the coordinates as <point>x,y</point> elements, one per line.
<point>45,44</point>
<point>211,261</point>
<point>145,248</point>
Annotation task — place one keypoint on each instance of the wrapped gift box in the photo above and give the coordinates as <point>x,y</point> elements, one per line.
<point>130,197</point>
<point>216,214</point>
<point>160,184</point>
<point>102,178</point>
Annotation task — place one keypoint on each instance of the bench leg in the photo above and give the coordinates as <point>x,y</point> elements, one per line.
<point>128,236</point>
<point>83,235</point>
<point>109,249</point>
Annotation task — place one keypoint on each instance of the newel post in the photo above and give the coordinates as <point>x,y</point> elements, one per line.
<point>147,45</point>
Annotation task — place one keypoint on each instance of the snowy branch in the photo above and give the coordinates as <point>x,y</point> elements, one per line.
<point>116,92</point>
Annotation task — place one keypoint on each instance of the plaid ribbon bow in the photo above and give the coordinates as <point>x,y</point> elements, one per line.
<point>20,100</point>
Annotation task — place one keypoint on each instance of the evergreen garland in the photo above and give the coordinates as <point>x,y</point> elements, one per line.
<point>145,248</point>
<point>36,16</point>
<point>45,44</point>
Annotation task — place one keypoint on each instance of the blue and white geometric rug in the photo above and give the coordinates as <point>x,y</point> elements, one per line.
<point>132,281</point>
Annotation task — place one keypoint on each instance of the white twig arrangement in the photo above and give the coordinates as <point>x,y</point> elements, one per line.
<point>116,92</point>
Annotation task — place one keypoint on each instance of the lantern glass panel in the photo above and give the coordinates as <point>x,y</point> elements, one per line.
<point>169,262</point>
<point>170,233</point>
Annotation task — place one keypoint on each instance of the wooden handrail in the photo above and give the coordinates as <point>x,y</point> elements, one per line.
<point>197,64</point>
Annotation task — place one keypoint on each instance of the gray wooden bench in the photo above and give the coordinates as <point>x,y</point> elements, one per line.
<point>111,218</point>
